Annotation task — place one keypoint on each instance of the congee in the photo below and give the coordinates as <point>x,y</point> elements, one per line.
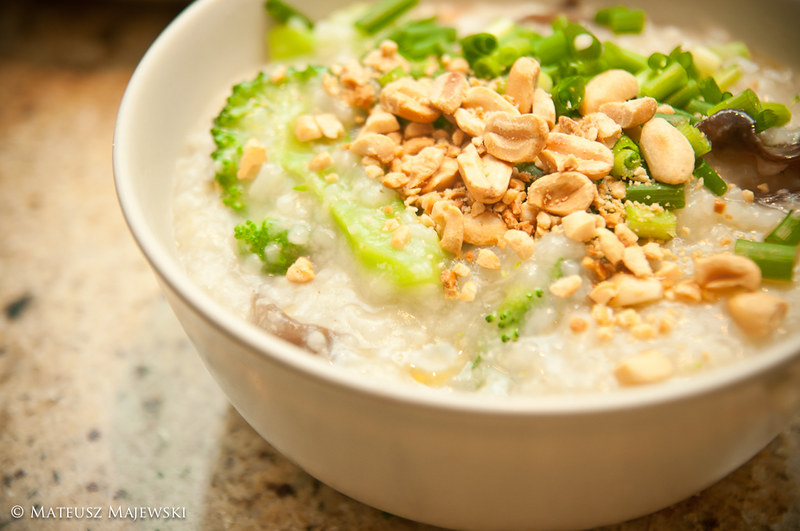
<point>507,201</point>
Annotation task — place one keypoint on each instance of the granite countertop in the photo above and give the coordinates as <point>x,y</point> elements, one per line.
<point>103,401</point>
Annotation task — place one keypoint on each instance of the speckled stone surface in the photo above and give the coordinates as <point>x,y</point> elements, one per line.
<point>103,402</point>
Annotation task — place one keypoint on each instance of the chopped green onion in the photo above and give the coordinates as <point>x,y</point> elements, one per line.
<point>281,12</point>
<point>788,230</point>
<point>728,77</point>
<point>568,95</point>
<point>391,75</point>
<point>666,195</point>
<point>627,158</point>
<point>710,90</point>
<point>665,82</point>
<point>551,49</point>
<point>381,14</point>
<point>772,114</point>
<point>731,50</point>
<point>418,39</point>
<point>696,138</point>
<point>511,50</point>
<point>711,178</point>
<point>700,107</point>
<point>684,95</point>
<point>290,40</point>
<point>478,45</point>
<point>646,223</point>
<point>486,67</point>
<point>776,261</point>
<point>622,58</point>
<point>621,19</point>
<point>746,101</point>
<point>626,162</point>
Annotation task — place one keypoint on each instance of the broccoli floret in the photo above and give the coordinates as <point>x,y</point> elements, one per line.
<point>270,242</point>
<point>241,119</point>
<point>512,311</point>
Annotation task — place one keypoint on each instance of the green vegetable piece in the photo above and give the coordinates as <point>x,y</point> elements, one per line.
<point>665,82</point>
<point>418,39</point>
<point>513,310</point>
<point>621,19</point>
<point>622,58</point>
<point>270,242</point>
<point>242,118</point>
<point>627,158</point>
<point>773,114</point>
<point>666,195</point>
<point>746,101</point>
<point>281,12</point>
<point>568,95</point>
<point>696,138</point>
<point>788,230</point>
<point>382,14</point>
<point>290,40</point>
<point>646,223</point>
<point>776,261</point>
<point>260,106</point>
<point>416,263</point>
<point>711,178</point>
<point>478,45</point>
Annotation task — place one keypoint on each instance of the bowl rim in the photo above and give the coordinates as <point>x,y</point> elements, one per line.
<point>261,344</point>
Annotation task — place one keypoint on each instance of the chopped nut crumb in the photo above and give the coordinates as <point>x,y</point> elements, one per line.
<point>487,259</point>
<point>400,236</point>
<point>301,271</point>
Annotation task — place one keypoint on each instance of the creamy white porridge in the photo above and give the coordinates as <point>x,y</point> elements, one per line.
<point>472,233</point>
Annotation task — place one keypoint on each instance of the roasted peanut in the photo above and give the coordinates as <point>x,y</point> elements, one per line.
<point>669,155</point>
<point>448,91</point>
<point>486,178</point>
<point>521,82</point>
<point>611,85</point>
<point>380,147</point>
<point>543,107</point>
<point>566,286</point>
<point>515,137</point>
<point>630,113</point>
<point>562,193</point>
<point>484,229</point>
<point>564,152</point>
<point>408,98</point>
<point>648,367</point>
<point>253,157</point>
<point>579,226</point>
<point>624,289</point>
<point>758,313</point>
<point>450,225</point>
<point>726,271</point>
<point>520,242</point>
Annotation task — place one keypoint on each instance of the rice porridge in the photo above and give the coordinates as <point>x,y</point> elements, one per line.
<point>531,206</point>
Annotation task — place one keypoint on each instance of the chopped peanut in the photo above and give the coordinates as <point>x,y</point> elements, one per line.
<point>648,367</point>
<point>487,259</point>
<point>301,271</point>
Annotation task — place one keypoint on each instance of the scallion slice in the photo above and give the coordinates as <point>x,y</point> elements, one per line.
<point>788,230</point>
<point>664,83</point>
<point>711,178</point>
<point>776,261</point>
<point>646,223</point>
<point>696,138</point>
<point>381,14</point>
<point>666,195</point>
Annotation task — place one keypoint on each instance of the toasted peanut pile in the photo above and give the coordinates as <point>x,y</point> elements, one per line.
<point>465,181</point>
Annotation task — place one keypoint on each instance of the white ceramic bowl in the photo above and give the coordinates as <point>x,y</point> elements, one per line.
<point>455,461</point>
